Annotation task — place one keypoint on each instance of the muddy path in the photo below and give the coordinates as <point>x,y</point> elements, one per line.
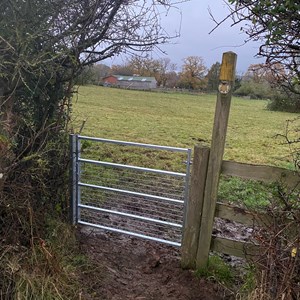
<point>123,267</point>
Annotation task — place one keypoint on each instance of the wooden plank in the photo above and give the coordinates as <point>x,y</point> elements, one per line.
<point>241,215</point>
<point>216,156</point>
<point>261,173</point>
<point>234,213</point>
<point>235,248</point>
<point>194,207</point>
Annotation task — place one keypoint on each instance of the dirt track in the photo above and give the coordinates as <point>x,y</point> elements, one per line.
<point>130,268</point>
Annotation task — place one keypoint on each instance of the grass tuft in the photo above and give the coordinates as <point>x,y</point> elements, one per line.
<point>217,270</point>
<point>250,194</point>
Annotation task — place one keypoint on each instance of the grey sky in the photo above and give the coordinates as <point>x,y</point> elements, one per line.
<point>195,38</point>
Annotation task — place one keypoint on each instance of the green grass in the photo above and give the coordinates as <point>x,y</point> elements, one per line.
<point>182,120</point>
<point>248,193</point>
<point>217,270</point>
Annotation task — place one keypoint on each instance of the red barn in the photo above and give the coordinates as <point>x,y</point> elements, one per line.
<point>110,80</point>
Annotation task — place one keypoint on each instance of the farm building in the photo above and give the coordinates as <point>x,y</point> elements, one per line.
<point>130,82</point>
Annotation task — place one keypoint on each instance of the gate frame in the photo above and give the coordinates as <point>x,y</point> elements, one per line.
<point>73,179</point>
<point>74,140</point>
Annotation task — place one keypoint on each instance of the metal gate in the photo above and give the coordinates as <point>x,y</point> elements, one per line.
<point>130,188</point>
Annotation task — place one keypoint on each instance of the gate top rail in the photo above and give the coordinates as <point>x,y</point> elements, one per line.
<point>158,147</point>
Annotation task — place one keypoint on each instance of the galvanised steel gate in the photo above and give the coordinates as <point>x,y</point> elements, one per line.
<point>117,186</point>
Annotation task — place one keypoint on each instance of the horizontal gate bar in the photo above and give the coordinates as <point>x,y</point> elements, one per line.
<point>129,192</point>
<point>158,147</point>
<point>130,233</point>
<point>130,215</point>
<point>121,166</point>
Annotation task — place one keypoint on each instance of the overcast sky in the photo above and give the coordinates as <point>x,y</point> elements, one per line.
<point>195,39</point>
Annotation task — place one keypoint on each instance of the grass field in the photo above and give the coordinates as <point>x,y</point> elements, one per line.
<point>182,120</point>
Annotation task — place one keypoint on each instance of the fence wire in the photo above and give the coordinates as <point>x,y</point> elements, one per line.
<point>140,201</point>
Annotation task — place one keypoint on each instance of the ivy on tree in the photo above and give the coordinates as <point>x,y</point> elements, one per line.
<point>45,45</point>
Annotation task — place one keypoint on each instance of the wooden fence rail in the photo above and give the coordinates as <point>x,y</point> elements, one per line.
<point>261,173</point>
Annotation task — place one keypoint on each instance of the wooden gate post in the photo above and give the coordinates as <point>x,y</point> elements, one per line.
<point>194,207</point>
<point>227,76</point>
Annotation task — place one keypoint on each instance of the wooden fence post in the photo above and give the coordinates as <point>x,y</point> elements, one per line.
<point>194,208</point>
<point>227,76</point>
